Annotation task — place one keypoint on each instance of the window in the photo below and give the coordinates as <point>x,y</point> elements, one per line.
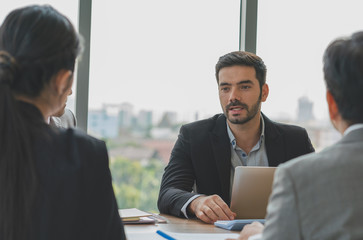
<point>152,69</point>
<point>291,38</point>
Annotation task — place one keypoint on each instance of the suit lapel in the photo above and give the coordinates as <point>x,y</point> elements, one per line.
<point>222,155</point>
<point>274,143</point>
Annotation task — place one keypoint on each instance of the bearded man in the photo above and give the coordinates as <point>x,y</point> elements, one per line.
<point>198,179</point>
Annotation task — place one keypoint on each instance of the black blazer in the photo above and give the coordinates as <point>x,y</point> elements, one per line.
<point>202,154</point>
<point>75,199</point>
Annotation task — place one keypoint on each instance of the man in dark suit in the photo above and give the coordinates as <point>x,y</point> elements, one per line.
<point>198,179</point>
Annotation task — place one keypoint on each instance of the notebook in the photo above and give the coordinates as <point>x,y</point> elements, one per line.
<point>251,191</point>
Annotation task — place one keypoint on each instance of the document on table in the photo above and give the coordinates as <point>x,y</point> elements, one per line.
<point>186,236</point>
<point>132,213</point>
<point>202,236</point>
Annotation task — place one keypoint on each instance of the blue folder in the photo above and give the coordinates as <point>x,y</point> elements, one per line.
<point>236,225</point>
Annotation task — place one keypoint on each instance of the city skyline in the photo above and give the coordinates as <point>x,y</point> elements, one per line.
<point>170,66</point>
<point>123,123</point>
<point>303,113</point>
<point>162,61</point>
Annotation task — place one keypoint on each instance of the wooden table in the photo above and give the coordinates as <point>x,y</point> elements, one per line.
<point>174,224</point>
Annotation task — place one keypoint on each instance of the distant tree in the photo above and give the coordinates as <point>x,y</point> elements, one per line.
<point>136,185</point>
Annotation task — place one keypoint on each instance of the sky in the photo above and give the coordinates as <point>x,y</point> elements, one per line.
<point>160,55</point>
<point>292,37</point>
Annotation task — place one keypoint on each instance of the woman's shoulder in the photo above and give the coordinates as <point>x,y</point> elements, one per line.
<point>82,139</point>
<point>71,148</point>
<point>84,146</point>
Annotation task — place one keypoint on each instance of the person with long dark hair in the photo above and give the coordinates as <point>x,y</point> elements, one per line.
<point>54,183</point>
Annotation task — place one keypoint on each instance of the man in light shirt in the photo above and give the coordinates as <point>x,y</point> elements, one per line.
<point>64,118</point>
<point>198,179</point>
<point>320,196</point>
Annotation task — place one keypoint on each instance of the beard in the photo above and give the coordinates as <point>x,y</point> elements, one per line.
<point>251,111</point>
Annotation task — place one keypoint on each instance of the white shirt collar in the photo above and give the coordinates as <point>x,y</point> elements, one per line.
<point>233,139</point>
<point>352,128</point>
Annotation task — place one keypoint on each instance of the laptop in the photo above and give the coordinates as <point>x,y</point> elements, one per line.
<point>251,191</point>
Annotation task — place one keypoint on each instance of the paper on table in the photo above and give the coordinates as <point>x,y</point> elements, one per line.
<point>203,236</point>
<point>152,235</point>
<point>140,220</point>
<point>132,213</point>
<point>143,236</point>
<point>185,236</point>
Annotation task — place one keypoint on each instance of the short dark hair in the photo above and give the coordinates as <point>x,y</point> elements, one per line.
<point>241,58</point>
<point>343,73</point>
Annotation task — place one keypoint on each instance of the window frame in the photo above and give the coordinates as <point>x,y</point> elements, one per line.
<point>247,42</point>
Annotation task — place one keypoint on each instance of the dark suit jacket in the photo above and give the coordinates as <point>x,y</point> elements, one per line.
<point>202,154</point>
<point>75,199</point>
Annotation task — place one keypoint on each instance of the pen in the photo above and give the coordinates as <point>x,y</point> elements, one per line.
<point>164,235</point>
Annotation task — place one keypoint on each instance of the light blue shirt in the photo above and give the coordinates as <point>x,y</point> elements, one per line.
<point>256,157</point>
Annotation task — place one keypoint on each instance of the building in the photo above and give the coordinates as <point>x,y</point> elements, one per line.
<point>144,119</point>
<point>103,125</point>
<point>305,110</point>
<point>114,119</point>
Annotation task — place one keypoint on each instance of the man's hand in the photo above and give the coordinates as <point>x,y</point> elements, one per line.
<point>250,230</point>
<point>210,209</point>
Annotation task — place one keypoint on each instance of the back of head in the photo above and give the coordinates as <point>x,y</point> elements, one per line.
<point>241,58</point>
<point>36,42</point>
<point>40,41</point>
<point>343,73</point>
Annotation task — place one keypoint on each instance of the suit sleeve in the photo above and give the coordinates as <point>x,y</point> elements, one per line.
<point>178,178</point>
<point>297,143</point>
<point>282,221</point>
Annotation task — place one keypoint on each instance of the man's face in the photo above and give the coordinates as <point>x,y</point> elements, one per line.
<point>239,93</point>
<point>62,109</point>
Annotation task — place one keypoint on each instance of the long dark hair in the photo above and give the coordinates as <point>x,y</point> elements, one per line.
<point>36,42</point>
